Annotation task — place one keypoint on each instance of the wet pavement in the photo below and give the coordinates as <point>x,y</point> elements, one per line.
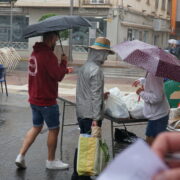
<point>15,120</point>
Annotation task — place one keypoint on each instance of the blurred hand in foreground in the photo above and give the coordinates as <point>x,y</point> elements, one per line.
<point>168,142</point>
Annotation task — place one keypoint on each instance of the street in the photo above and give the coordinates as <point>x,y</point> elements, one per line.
<point>15,120</point>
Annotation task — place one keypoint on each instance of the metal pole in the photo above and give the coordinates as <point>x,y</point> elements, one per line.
<point>11,21</point>
<point>70,32</point>
<point>61,131</point>
<point>112,139</point>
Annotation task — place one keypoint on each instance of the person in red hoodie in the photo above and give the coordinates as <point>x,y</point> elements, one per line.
<point>44,74</point>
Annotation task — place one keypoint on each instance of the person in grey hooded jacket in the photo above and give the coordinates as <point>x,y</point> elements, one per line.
<point>90,86</point>
<point>90,91</point>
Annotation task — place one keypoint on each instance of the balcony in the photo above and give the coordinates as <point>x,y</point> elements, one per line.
<point>96,2</point>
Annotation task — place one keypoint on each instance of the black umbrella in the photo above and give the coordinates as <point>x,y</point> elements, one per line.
<point>55,23</point>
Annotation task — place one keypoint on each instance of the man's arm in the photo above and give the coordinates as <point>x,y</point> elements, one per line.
<point>55,70</point>
<point>150,97</point>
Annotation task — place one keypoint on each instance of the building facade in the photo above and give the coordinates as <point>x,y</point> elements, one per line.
<point>119,20</point>
<point>175,20</point>
<point>146,20</point>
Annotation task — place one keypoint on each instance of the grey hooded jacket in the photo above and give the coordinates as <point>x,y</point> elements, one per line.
<point>90,87</point>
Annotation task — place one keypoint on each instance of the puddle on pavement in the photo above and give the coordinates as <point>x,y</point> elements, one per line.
<point>2,121</point>
<point>3,111</point>
<point>23,91</point>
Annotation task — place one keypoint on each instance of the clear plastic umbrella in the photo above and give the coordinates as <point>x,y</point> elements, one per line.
<point>150,58</point>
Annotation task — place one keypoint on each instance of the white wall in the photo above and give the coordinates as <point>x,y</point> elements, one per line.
<point>140,5</point>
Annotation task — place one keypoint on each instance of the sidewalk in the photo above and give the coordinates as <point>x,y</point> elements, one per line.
<point>108,63</point>
<point>17,81</point>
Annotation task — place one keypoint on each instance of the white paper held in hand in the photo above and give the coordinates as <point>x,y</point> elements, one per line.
<point>137,162</point>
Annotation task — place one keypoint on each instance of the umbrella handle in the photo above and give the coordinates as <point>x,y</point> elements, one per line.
<point>139,98</point>
<point>61,45</point>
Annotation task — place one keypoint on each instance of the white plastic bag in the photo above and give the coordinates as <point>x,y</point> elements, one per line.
<point>137,112</point>
<point>174,114</point>
<point>116,92</point>
<point>134,106</point>
<point>115,107</point>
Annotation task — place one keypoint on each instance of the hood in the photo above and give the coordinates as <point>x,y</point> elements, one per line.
<point>97,56</point>
<point>40,46</point>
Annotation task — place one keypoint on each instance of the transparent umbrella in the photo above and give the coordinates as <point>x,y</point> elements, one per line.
<point>149,57</point>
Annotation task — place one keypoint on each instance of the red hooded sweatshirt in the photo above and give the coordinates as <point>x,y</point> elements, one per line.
<point>44,74</point>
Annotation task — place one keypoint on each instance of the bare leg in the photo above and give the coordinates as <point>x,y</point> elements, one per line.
<point>29,139</point>
<point>52,143</point>
<point>150,139</point>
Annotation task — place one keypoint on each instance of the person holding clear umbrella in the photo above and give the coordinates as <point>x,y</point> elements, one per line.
<point>159,64</point>
<point>156,107</point>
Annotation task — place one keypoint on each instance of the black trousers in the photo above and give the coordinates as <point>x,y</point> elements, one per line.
<point>85,125</point>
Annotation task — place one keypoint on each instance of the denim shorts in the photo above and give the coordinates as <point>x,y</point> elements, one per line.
<point>49,114</point>
<point>154,127</point>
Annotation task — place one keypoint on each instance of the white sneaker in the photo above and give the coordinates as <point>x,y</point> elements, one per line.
<point>20,161</point>
<point>56,164</point>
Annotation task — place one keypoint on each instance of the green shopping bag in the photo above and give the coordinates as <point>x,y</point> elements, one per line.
<point>93,155</point>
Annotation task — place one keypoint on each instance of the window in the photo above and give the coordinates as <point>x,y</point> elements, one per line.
<point>169,7</point>
<point>156,4</point>
<point>156,39</point>
<point>85,36</point>
<point>163,5</point>
<point>140,35</point>
<point>135,34</point>
<point>13,33</point>
<point>129,35</point>
<point>97,1</point>
<point>145,39</point>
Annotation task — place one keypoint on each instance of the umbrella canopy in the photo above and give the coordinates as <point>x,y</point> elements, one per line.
<point>55,23</point>
<point>149,57</point>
